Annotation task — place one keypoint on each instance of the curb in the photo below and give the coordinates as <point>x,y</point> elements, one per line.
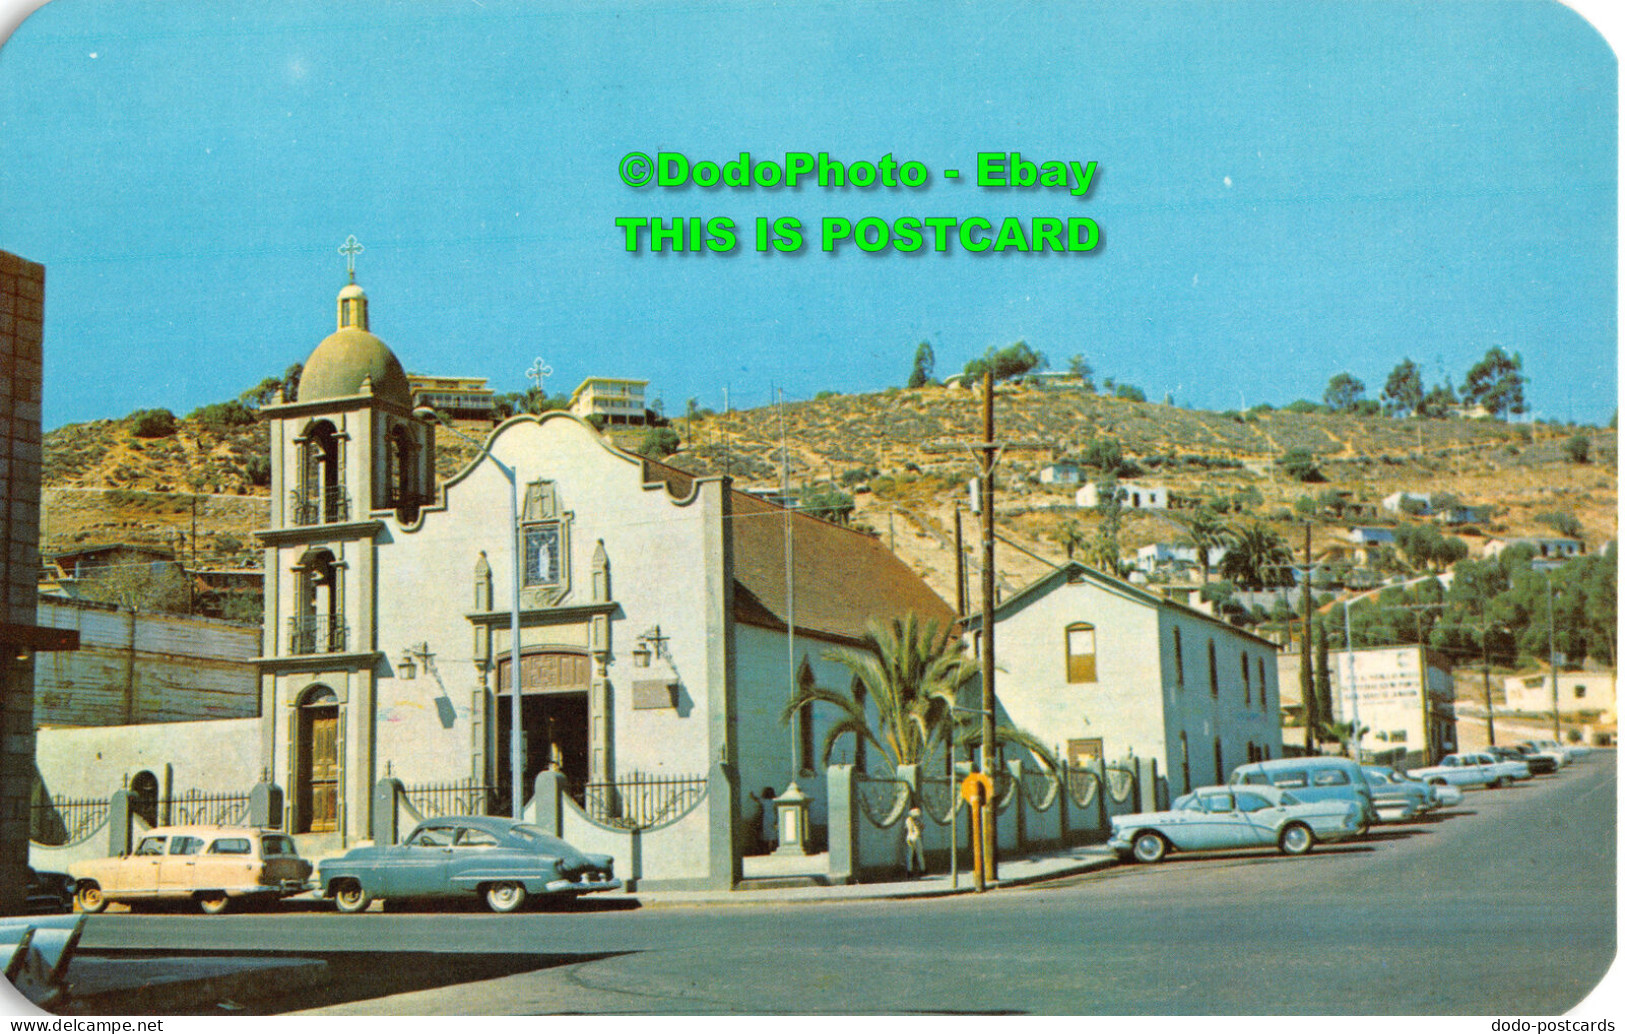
<point>769,897</point>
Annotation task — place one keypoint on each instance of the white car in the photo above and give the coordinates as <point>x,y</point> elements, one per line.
<point>1569,753</point>
<point>1445,795</point>
<point>1472,770</point>
<point>1219,817</point>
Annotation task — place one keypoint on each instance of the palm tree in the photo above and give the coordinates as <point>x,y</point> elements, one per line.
<point>1071,538</point>
<point>1209,534</point>
<point>910,671</point>
<point>1257,559</point>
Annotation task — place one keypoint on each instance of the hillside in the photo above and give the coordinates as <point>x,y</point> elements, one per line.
<point>909,449</point>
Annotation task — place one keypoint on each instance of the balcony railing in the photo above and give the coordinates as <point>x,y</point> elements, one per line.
<point>330,506</point>
<point>317,634</point>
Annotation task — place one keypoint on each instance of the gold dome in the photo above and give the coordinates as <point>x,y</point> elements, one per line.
<point>351,355</point>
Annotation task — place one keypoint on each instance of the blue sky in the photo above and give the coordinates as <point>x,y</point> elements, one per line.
<point>1284,190</point>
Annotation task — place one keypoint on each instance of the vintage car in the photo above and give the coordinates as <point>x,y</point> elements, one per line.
<point>49,892</point>
<point>1398,800</point>
<point>1317,778</point>
<point>1537,762</point>
<point>210,865</point>
<point>1223,817</point>
<point>1473,769</point>
<point>501,860</point>
<point>1443,794</point>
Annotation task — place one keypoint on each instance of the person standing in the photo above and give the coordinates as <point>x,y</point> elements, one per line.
<point>914,857</point>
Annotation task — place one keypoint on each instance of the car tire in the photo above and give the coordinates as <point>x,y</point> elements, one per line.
<point>1296,839</point>
<point>1498,783</point>
<point>505,897</point>
<point>89,897</point>
<point>1150,848</point>
<point>213,902</point>
<point>350,897</point>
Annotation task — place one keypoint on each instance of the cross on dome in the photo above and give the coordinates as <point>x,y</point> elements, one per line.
<point>350,249</point>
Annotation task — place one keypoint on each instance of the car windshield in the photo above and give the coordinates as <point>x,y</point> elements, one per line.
<point>1288,799</point>
<point>277,846</point>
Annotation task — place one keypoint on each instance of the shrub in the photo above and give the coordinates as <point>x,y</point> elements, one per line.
<point>1565,524</point>
<point>658,443</point>
<point>152,423</point>
<point>1299,464</point>
<point>219,416</point>
<point>1578,448</point>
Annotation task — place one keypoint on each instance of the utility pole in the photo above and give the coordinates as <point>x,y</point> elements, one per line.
<point>989,451</point>
<point>959,564</point>
<point>1551,659</point>
<point>1306,677</point>
<point>1489,705</point>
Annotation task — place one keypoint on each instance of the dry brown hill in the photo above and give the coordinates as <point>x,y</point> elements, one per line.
<point>911,449</point>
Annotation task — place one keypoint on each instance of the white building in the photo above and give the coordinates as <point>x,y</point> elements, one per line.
<point>1550,549</point>
<point>618,400</point>
<point>1169,558</point>
<point>1396,503</point>
<point>1405,697</point>
<point>1102,669</point>
<point>1133,496</point>
<point>1577,691</point>
<point>1058,474</point>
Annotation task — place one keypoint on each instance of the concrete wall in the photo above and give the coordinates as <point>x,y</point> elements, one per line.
<point>213,756</point>
<point>132,668</point>
<point>1533,692</point>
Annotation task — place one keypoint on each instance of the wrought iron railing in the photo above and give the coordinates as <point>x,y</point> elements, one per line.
<point>197,808</point>
<point>1082,785</point>
<point>329,506</point>
<point>939,797</point>
<point>1040,788</point>
<point>883,801</point>
<point>1120,783</point>
<point>317,634</point>
<point>640,800</point>
<point>460,797</point>
<point>60,821</point>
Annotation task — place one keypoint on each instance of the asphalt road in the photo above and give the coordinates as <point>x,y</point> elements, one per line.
<point>1504,906</point>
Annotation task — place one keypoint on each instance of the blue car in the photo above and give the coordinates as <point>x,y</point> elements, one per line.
<point>504,861</point>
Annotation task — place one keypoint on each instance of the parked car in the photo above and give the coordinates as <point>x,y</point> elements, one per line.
<point>1466,770</point>
<point>1315,778</point>
<point>1557,754</point>
<point>1398,800</point>
<point>210,865</point>
<point>501,860</point>
<point>1538,763</point>
<point>1222,817</point>
<point>49,892</point>
<point>1572,751</point>
<point>1445,795</point>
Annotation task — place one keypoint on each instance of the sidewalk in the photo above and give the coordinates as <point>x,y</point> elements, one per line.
<point>1013,872</point>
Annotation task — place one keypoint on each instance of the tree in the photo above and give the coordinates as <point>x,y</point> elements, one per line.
<point>1437,402</point>
<point>290,382</point>
<point>658,442</point>
<point>1578,448</point>
<point>1129,392</point>
<point>1299,464</point>
<point>1257,558</point>
<point>1563,522</point>
<point>925,362</point>
<point>1402,395</point>
<point>1011,361</point>
<point>1071,538</point>
<point>1105,551</point>
<point>1496,383</point>
<point>1343,391</point>
<point>1209,534</point>
<point>152,423</point>
<point>828,502</point>
<point>140,586</point>
<point>910,672</point>
<point>1078,366</point>
<point>1104,454</point>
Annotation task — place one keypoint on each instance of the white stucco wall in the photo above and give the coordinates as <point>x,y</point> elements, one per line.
<point>214,756</point>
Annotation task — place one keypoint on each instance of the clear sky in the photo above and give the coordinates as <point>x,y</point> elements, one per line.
<point>1285,190</point>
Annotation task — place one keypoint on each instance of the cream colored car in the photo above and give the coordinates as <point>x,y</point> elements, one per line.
<point>210,865</point>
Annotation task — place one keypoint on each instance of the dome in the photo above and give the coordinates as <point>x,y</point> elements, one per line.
<point>351,355</point>
<point>347,357</point>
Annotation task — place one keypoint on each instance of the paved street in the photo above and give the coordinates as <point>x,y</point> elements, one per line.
<point>1504,906</point>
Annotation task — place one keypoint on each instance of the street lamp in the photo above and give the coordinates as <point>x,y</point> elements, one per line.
<point>1354,690</point>
<point>1551,660</point>
<point>516,741</point>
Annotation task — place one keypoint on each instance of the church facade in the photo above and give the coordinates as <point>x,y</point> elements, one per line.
<point>657,630</point>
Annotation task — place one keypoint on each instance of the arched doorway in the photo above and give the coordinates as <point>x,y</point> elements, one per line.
<point>553,715</point>
<point>316,776</point>
<point>144,797</point>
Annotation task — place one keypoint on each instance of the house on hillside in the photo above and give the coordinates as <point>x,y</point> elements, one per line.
<point>615,400</point>
<point>1102,669</point>
<point>1061,473</point>
<point>1168,559</point>
<point>1578,692</point>
<point>1395,503</point>
<point>1133,496</point>
<point>1548,551</point>
<point>462,398</point>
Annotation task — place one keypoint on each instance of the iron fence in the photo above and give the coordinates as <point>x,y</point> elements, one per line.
<point>883,800</point>
<point>322,633</point>
<point>459,797</point>
<point>196,808</point>
<point>1082,786</point>
<point>640,800</point>
<point>1119,783</point>
<point>323,507</point>
<point>939,798</point>
<point>59,821</point>
<point>1040,788</point>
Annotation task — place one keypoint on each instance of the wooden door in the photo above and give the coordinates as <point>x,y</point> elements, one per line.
<point>319,775</point>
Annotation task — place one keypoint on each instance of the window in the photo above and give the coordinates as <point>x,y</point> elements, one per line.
<point>1179,660</point>
<point>1185,760</point>
<point>185,845</point>
<point>1080,652</point>
<point>1246,682</point>
<point>1292,778</point>
<point>1218,761</point>
<point>1212,670</point>
<point>1263,691</point>
<point>804,724</point>
<point>1256,779</point>
<point>1220,803</point>
<point>1579,692</point>
<point>430,838</point>
<point>151,846</point>
<point>475,838</point>
<point>544,535</point>
<point>860,749</point>
<point>1252,802</point>
<point>1331,777</point>
<point>231,845</point>
<point>277,847</point>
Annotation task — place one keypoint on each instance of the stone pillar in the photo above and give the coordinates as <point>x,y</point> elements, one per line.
<point>547,802</point>
<point>118,823</point>
<point>265,805</point>
<point>385,811</point>
<point>722,800</point>
<point>1145,784</point>
<point>844,861</point>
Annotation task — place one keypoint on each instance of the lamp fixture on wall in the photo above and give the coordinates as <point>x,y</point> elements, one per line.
<point>411,657</point>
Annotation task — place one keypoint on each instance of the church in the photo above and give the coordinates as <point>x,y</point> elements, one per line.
<point>658,635</point>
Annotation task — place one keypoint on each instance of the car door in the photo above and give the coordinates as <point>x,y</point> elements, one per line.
<point>1263,817</point>
<point>176,869</point>
<point>1220,824</point>
<point>1184,825</point>
<point>418,867</point>
<point>138,876</point>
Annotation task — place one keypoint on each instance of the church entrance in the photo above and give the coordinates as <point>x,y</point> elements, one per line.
<point>316,779</point>
<point>553,715</point>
